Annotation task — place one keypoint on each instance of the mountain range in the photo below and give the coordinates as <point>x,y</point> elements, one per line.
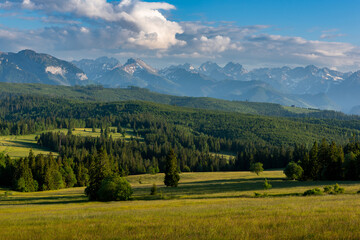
<point>307,87</point>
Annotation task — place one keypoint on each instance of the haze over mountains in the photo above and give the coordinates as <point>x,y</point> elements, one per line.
<point>309,87</point>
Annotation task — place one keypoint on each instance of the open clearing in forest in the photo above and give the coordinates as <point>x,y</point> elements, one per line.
<point>87,132</point>
<point>219,205</point>
<point>19,146</point>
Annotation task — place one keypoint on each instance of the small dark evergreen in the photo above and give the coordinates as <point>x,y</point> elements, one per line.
<point>172,176</point>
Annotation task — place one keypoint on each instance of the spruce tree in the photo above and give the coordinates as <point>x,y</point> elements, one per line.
<point>172,176</point>
<point>314,164</point>
<point>99,170</point>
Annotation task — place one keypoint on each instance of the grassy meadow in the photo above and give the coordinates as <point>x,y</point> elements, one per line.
<point>19,146</point>
<point>87,132</point>
<point>217,205</point>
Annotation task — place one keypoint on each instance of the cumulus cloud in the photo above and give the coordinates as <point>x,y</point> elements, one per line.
<point>216,44</point>
<point>150,27</point>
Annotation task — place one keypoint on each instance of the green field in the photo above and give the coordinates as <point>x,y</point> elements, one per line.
<point>19,146</point>
<point>204,206</point>
<point>87,132</point>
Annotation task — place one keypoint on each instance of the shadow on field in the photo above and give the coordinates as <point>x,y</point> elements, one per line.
<point>43,200</point>
<point>199,188</point>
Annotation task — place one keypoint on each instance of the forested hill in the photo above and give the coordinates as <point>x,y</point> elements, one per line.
<point>29,114</point>
<point>100,94</point>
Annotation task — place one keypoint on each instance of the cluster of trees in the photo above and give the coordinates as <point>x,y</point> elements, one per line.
<point>326,161</point>
<point>194,152</point>
<point>41,172</point>
<point>46,172</point>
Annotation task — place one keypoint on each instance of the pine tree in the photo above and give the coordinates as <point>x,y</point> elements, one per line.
<point>172,176</point>
<point>314,164</point>
<point>99,170</point>
<point>25,181</point>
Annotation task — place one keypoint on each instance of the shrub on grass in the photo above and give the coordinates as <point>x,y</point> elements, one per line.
<point>293,171</point>
<point>267,185</point>
<point>315,191</point>
<point>186,169</point>
<point>358,192</point>
<point>257,168</point>
<point>256,194</point>
<point>114,188</point>
<point>336,189</point>
<point>153,190</point>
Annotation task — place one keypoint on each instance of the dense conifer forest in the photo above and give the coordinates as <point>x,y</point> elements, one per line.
<point>198,137</point>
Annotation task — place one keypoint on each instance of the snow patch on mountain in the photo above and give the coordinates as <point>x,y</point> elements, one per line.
<point>56,70</point>
<point>82,76</point>
<point>132,65</point>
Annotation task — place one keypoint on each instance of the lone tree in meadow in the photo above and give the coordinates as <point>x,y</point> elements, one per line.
<point>293,171</point>
<point>172,176</point>
<point>256,168</point>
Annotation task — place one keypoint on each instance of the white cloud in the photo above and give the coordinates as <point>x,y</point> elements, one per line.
<point>152,29</point>
<point>7,34</point>
<point>84,30</point>
<point>217,44</point>
<point>28,4</point>
<point>331,36</point>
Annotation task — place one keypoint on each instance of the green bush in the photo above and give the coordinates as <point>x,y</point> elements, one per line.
<point>328,189</point>
<point>256,168</point>
<point>153,190</point>
<point>114,188</point>
<point>336,189</point>
<point>186,169</point>
<point>293,171</point>
<point>358,192</point>
<point>267,185</point>
<point>315,191</point>
<point>256,194</point>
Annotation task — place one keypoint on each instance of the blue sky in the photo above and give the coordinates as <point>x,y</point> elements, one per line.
<point>306,18</point>
<point>256,33</point>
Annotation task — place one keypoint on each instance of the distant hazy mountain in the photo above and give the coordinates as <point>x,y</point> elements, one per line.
<point>355,110</point>
<point>30,67</point>
<point>97,68</point>
<point>278,85</point>
<point>232,71</point>
<point>309,87</point>
<point>189,81</point>
<point>300,80</point>
<point>117,77</point>
<point>347,94</point>
<point>139,69</point>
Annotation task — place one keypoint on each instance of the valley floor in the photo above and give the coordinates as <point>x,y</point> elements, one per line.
<point>204,206</point>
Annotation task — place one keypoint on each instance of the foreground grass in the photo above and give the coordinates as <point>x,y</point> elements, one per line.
<point>213,212</point>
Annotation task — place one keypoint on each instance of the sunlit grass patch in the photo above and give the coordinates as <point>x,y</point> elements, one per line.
<point>19,146</point>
